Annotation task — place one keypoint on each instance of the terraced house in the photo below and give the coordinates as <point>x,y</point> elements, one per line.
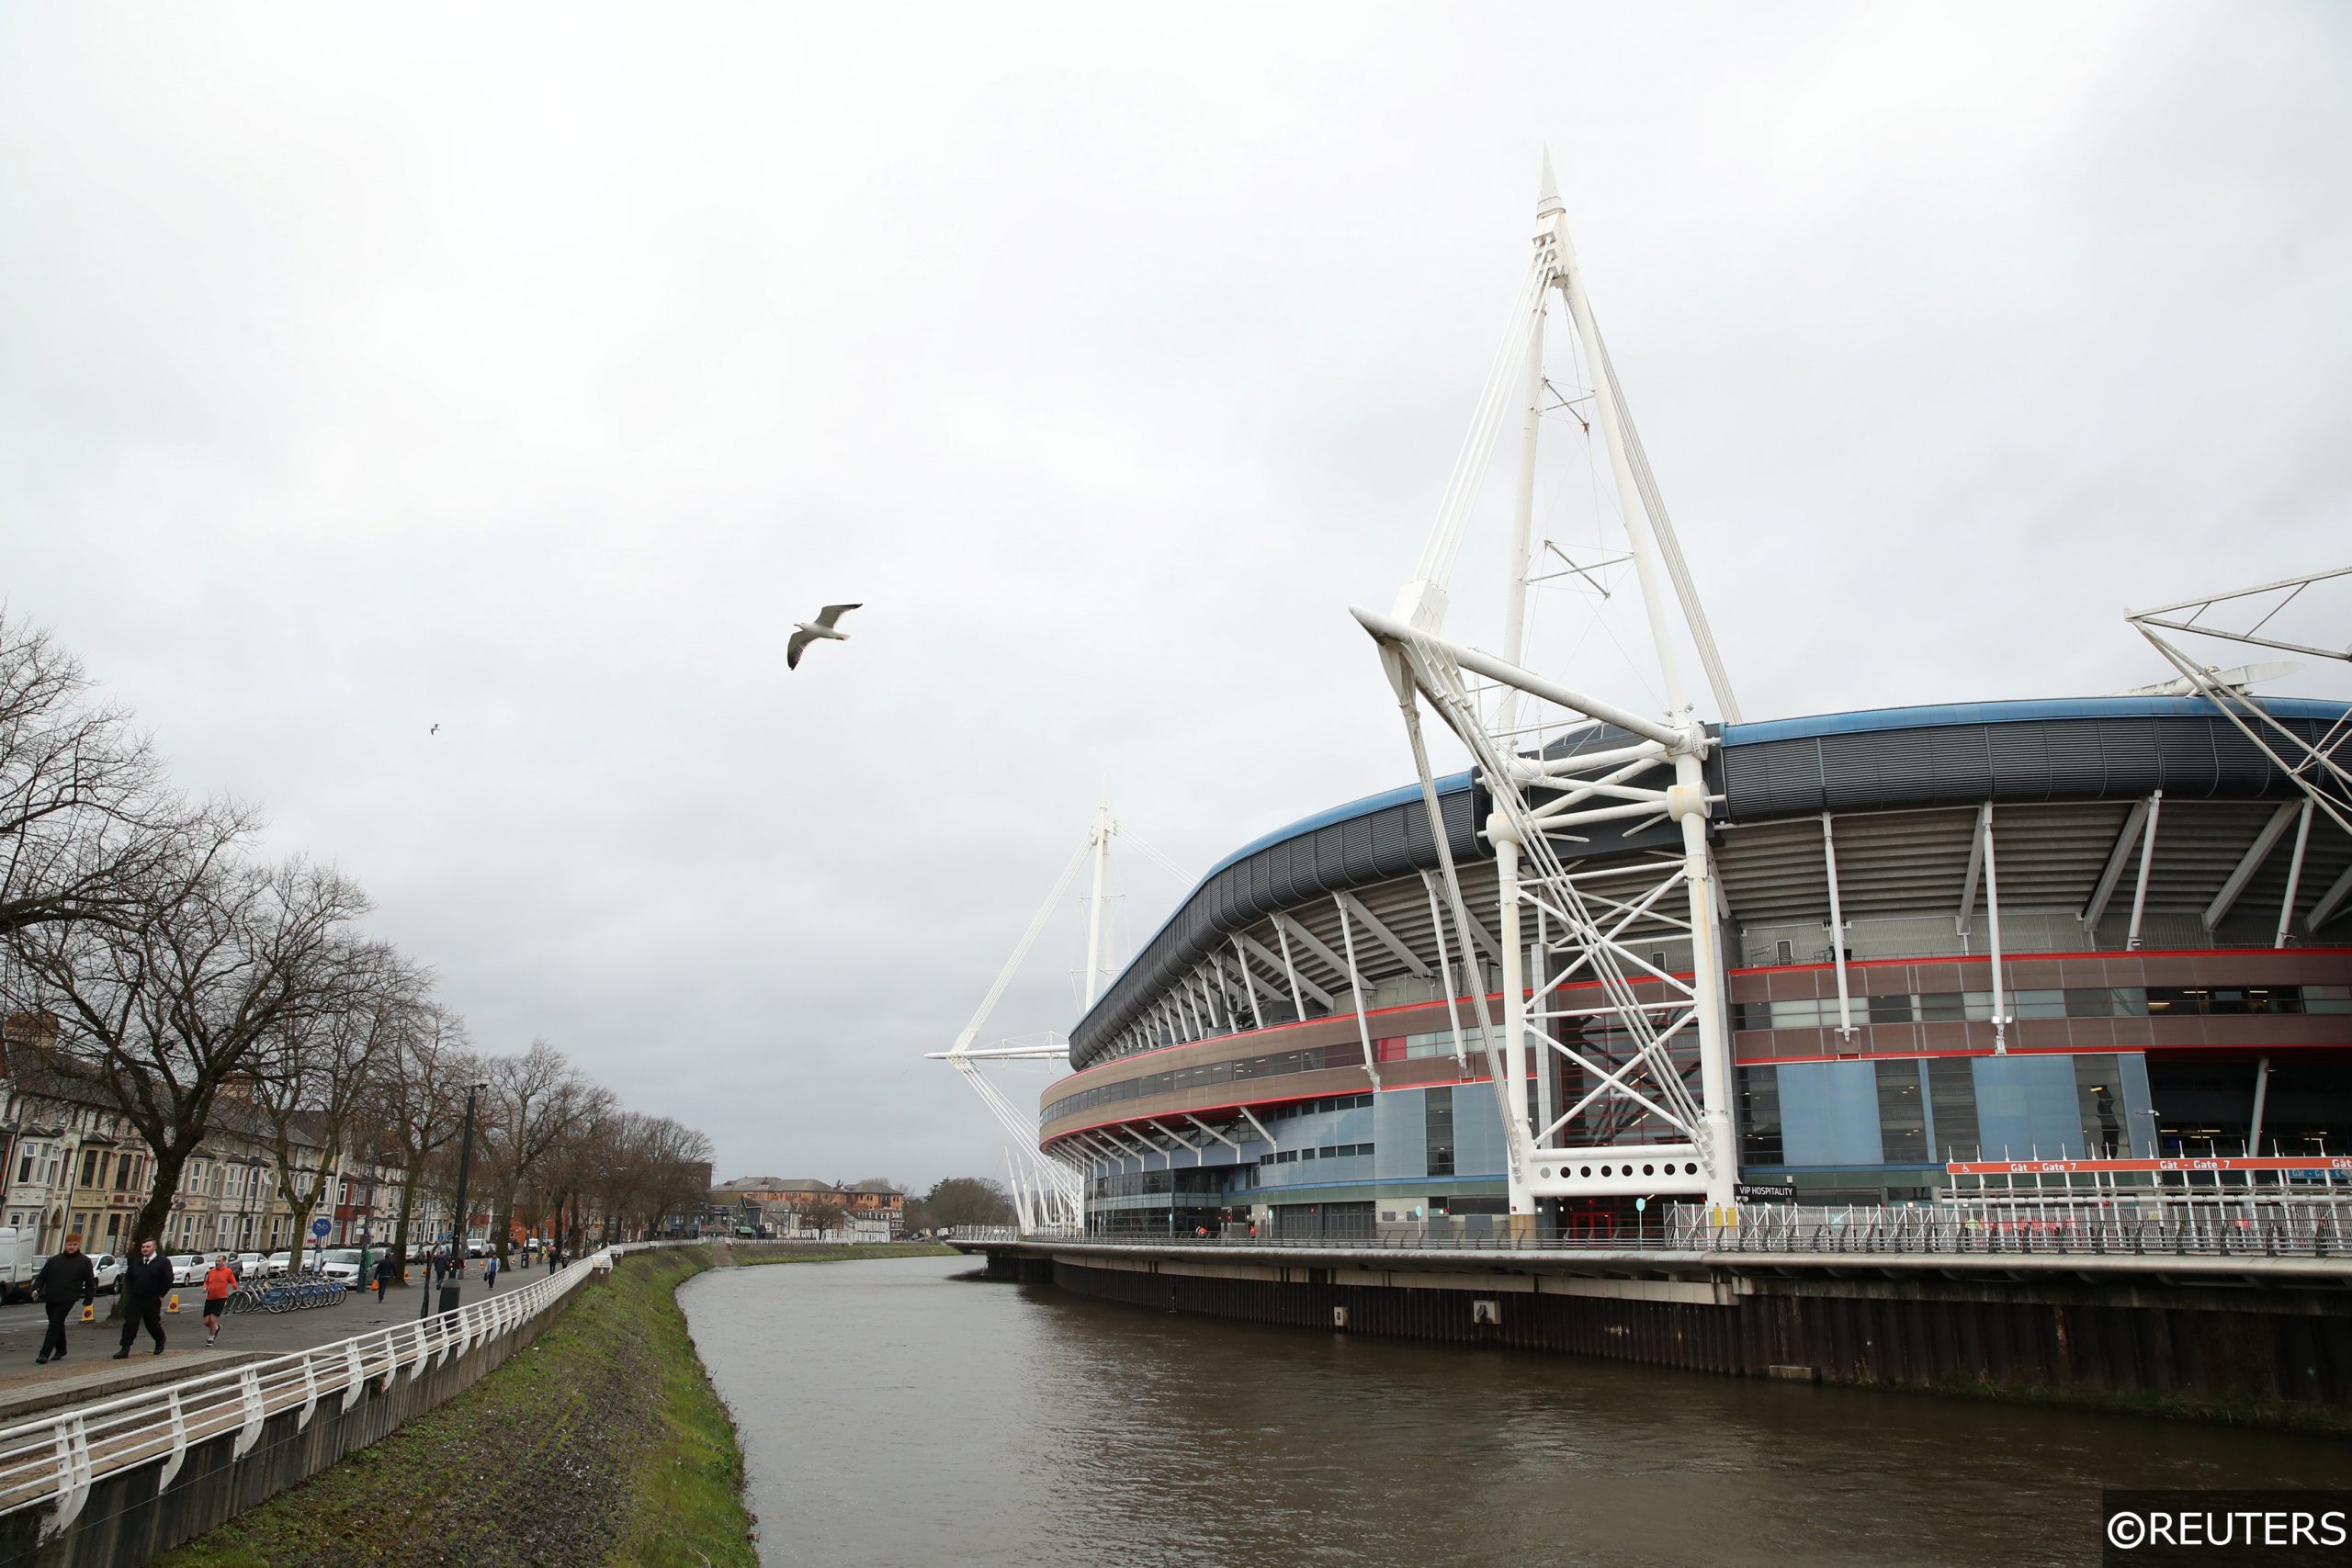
<point>73,1163</point>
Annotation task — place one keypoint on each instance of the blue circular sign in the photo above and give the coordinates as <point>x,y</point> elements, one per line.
<point>320,1227</point>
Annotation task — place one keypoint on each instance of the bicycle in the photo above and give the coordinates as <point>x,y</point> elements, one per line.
<point>285,1296</point>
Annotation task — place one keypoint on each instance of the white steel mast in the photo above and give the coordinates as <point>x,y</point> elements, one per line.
<point>1048,1192</point>
<point>1636,1124</point>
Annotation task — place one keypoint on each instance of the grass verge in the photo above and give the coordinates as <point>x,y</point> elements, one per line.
<point>602,1442</point>
<point>751,1252</point>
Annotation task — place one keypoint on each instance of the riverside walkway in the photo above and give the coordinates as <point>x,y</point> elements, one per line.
<point>89,1372</point>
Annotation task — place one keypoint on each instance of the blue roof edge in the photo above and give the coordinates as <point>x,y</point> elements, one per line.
<point>2015,711</point>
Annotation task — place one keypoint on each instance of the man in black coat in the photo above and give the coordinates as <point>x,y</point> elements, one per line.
<point>62,1280</point>
<point>145,1285</point>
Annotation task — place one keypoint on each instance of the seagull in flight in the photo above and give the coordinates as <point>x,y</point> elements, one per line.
<point>806,632</point>
<point>434,730</point>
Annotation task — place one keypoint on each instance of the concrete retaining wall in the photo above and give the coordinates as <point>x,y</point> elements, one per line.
<point>125,1521</point>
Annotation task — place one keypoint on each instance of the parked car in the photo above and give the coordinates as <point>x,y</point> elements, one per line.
<point>249,1265</point>
<point>341,1264</point>
<point>189,1268</point>
<point>109,1269</point>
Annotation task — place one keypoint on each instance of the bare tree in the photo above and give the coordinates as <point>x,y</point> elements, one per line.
<point>86,821</point>
<point>536,1101</point>
<point>961,1201</point>
<point>672,1172</point>
<point>162,1005</point>
<point>314,1072</point>
<point>420,1101</point>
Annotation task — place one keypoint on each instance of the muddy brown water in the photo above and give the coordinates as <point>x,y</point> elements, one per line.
<point>896,1415</point>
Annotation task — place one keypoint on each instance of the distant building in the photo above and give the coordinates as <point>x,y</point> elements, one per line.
<point>789,1206</point>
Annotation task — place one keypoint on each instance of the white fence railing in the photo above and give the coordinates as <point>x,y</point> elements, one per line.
<point>56,1457</point>
<point>2233,1229</point>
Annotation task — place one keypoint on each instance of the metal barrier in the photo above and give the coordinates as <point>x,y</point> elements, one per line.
<point>56,1457</point>
<point>2241,1230</point>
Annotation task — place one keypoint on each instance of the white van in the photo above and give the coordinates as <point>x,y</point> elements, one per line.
<point>18,1263</point>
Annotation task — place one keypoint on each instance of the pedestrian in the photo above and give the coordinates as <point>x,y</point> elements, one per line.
<point>63,1278</point>
<point>440,1265</point>
<point>489,1273</point>
<point>383,1275</point>
<point>145,1285</point>
<point>218,1281</point>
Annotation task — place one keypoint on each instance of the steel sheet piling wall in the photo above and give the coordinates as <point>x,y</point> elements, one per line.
<point>2243,1351</point>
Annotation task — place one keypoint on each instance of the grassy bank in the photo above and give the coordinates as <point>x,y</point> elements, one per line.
<point>750,1252</point>
<point>601,1443</point>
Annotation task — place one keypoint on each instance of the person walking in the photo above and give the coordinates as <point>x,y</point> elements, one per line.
<point>489,1273</point>
<point>62,1278</point>
<point>220,1280</point>
<point>145,1285</point>
<point>440,1265</point>
<point>384,1273</point>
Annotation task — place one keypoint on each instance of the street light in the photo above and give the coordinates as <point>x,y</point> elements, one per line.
<point>458,1219</point>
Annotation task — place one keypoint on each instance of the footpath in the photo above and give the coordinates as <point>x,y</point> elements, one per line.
<point>602,1442</point>
<point>88,1374</point>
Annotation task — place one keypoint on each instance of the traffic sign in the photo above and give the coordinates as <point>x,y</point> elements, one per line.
<point>319,1227</point>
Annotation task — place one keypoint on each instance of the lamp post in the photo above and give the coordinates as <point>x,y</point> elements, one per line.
<point>458,1219</point>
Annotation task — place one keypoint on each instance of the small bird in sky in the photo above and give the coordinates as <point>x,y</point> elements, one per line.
<point>434,730</point>
<point>806,632</point>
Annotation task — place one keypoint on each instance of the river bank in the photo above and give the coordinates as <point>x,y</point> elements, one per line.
<point>748,1252</point>
<point>602,1442</point>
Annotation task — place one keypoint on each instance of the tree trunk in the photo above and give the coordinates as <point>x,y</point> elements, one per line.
<point>408,1206</point>
<point>302,1207</point>
<point>149,1226</point>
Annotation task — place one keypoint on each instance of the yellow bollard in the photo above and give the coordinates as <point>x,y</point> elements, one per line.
<point>173,1304</point>
<point>89,1312</point>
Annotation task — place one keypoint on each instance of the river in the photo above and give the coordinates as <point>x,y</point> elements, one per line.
<point>895,1415</point>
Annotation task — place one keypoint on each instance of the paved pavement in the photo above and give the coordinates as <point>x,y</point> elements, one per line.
<point>88,1372</point>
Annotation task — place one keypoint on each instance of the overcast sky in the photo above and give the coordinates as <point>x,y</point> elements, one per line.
<point>528,372</point>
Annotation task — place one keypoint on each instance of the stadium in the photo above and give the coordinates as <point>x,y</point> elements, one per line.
<point>2077,949</point>
<point>1287,1050</point>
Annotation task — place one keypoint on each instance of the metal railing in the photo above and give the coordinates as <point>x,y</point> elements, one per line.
<point>2235,1230</point>
<point>57,1457</point>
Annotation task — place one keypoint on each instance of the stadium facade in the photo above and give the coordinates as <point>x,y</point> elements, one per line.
<point>2092,928</point>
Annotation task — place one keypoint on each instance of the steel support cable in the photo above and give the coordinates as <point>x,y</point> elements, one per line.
<point>1166,865</point>
<point>1470,462</point>
<point>1662,528</point>
<point>1023,1129</point>
<point>1028,940</point>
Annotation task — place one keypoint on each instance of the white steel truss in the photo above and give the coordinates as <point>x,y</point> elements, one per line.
<point>2316,767</point>
<point>1632,1071</point>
